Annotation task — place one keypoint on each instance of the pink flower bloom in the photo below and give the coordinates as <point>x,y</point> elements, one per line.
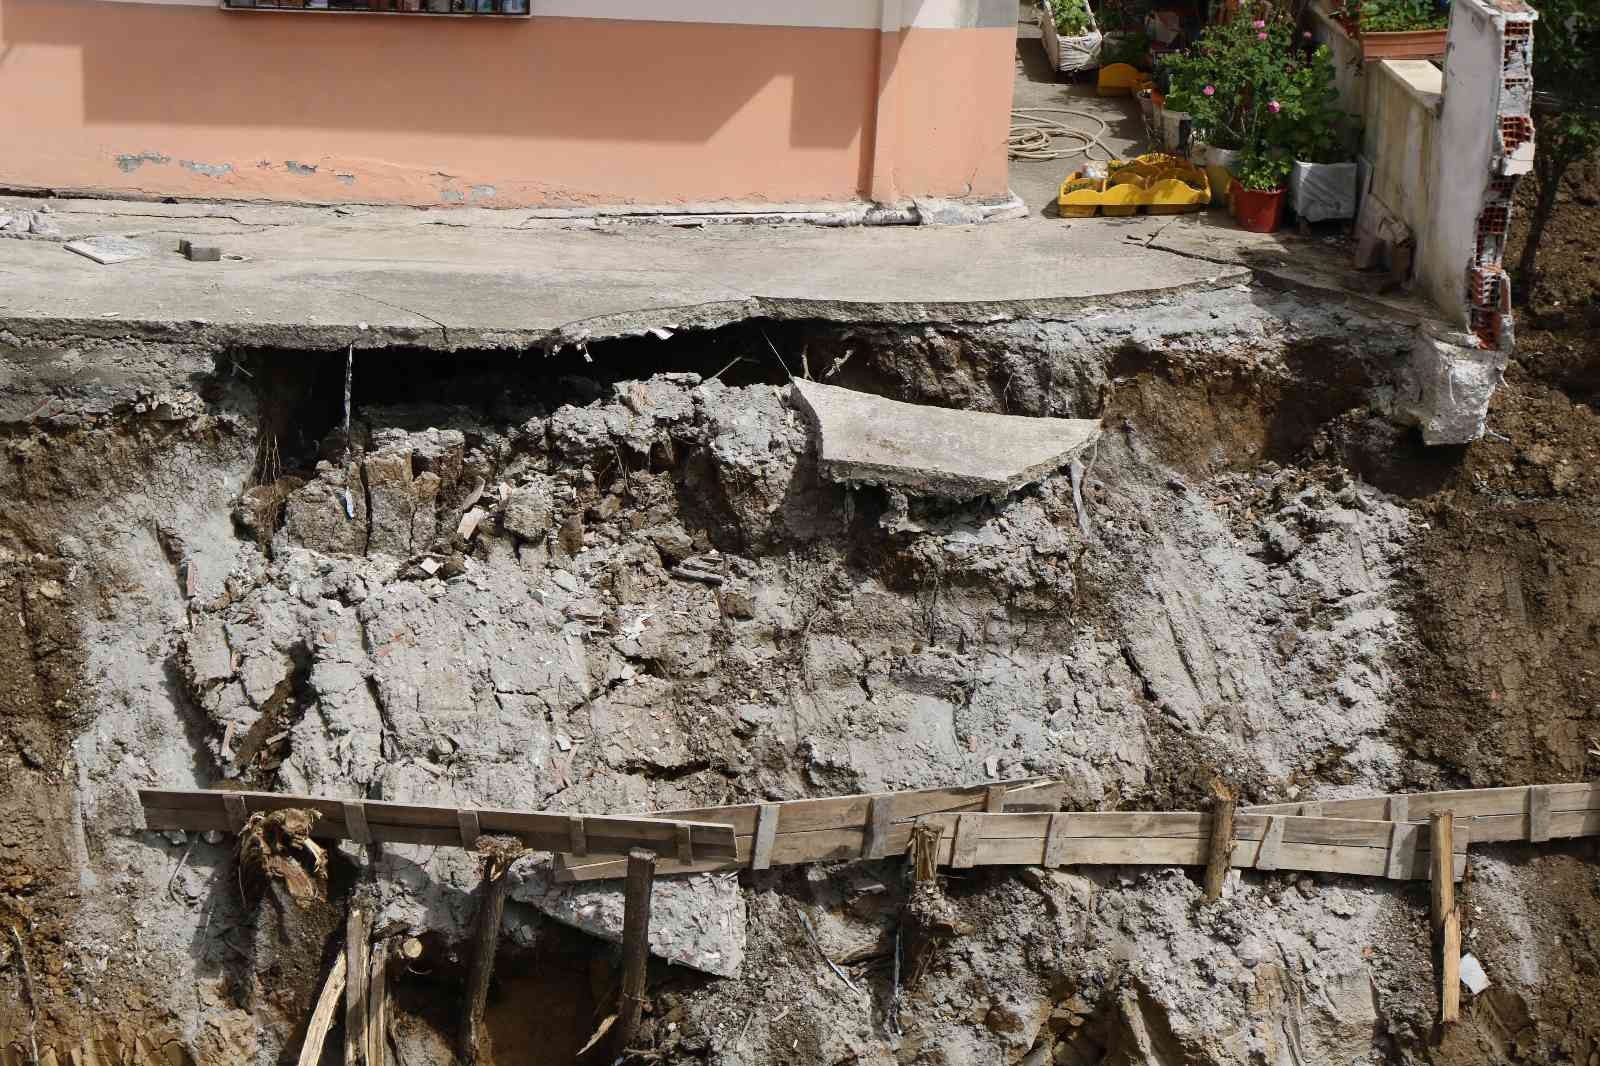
<point>1261,36</point>
<point>1274,106</point>
<point>1210,90</point>
<point>1259,24</point>
<point>1306,35</point>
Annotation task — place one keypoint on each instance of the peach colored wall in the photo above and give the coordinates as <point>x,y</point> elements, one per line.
<point>192,101</point>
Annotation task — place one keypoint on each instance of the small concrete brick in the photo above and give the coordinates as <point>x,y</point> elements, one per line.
<point>200,253</point>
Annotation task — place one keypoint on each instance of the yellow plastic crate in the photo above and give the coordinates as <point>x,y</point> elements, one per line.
<point>1156,183</point>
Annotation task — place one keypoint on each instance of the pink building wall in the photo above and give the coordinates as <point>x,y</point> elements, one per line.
<point>877,99</point>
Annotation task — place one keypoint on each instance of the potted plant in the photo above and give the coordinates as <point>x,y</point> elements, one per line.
<point>1395,29</point>
<point>1069,34</point>
<point>1308,124</point>
<point>1258,190</point>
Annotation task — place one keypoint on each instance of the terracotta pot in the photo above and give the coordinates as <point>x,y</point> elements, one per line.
<point>1257,211</point>
<point>1410,44</point>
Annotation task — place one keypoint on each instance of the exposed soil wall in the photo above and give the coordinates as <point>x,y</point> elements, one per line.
<point>208,583</point>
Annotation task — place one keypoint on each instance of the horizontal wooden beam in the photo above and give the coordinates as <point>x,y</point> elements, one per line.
<point>404,823</point>
<point>1510,809</point>
<point>871,825</point>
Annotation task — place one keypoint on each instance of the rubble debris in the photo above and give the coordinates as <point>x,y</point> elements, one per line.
<point>108,249</point>
<point>1473,976</point>
<point>276,846</point>
<point>937,451</point>
<point>199,253</point>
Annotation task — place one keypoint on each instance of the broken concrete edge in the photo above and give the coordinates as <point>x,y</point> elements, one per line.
<point>862,438</point>
<point>220,336</point>
<point>1446,384</point>
<point>827,213</point>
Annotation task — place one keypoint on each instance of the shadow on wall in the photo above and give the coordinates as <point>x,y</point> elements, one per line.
<point>563,78</point>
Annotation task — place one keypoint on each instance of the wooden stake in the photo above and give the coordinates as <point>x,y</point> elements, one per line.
<point>485,937</point>
<point>322,1014</point>
<point>1446,917</point>
<point>378,1007</point>
<point>924,852</point>
<point>635,944</point>
<point>1219,857</point>
<point>356,931</point>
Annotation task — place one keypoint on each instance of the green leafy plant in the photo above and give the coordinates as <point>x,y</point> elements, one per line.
<point>1303,117</point>
<point>1130,48</point>
<point>1566,110</point>
<point>1232,73</point>
<point>1072,17</point>
<point>1399,16</point>
<point>1263,171</point>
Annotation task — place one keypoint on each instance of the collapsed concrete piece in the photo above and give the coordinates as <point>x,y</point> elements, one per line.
<point>1446,386</point>
<point>935,451</point>
<point>697,921</point>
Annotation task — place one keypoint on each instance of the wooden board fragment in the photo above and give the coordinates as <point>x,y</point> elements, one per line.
<point>968,837</point>
<point>377,1049</point>
<point>1446,918</point>
<point>1271,844</point>
<point>1219,849</point>
<point>1055,841</point>
<point>237,810</point>
<point>1539,802</point>
<point>357,929</point>
<point>766,832</point>
<point>1464,803</point>
<point>322,1014</point>
<point>467,826</point>
<point>579,844</point>
<point>635,945</point>
<point>685,842</point>
<point>1402,841</point>
<point>994,799</point>
<point>876,844</point>
<point>355,819</point>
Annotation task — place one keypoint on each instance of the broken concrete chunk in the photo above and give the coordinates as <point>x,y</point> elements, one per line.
<point>695,921</point>
<point>1446,385</point>
<point>935,451</point>
<point>530,511</point>
<point>330,513</point>
<point>469,523</point>
<point>199,253</point>
<point>108,249</point>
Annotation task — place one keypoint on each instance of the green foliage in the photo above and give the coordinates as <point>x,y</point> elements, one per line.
<point>1071,17</point>
<point>1566,112</point>
<point>1253,83</point>
<point>1264,171</point>
<point>1397,16</point>
<point>1130,48</point>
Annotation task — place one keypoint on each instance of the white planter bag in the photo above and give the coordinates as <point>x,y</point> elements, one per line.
<point>1320,191</point>
<point>1068,55</point>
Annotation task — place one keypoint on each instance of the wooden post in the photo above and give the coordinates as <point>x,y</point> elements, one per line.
<point>924,852</point>
<point>322,1015</point>
<point>358,927</point>
<point>1219,858</point>
<point>378,1006</point>
<point>1446,917</point>
<point>496,857</point>
<point>635,944</point>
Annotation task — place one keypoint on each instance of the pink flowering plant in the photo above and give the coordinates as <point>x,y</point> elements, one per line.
<point>1251,84</point>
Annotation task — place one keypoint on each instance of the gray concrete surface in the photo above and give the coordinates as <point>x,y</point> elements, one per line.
<point>1037,182</point>
<point>935,451</point>
<point>449,279</point>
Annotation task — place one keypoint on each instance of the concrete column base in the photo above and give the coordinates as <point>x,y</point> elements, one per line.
<point>1446,384</point>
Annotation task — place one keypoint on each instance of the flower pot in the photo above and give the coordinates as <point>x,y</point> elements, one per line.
<point>1320,191</point>
<point>1407,44</point>
<point>1219,164</point>
<point>1068,55</point>
<point>1257,211</point>
<point>1175,131</point>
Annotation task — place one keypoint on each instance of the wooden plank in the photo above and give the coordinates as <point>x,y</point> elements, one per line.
<point>766,832</point>
<point>411,824</point>
<point>469,830</point>
<point>876,844</point>
<point>964,849</point>
<point>994,799</point>
<point>1188,824</point>
<point>685,843</point>
<point>1446,919</point>
<point>1310,810</point>
<point>579,842</point>
<point>357,930</point>
<point>1399,809</point>
<point>1219,848</point>
<point>635,945</point>
<point>1465,803</point>
<point>355,820</point>
<point>1055,841</point>
<point>1271,844</point>
<point>1402,838</point>
<point>237,809</point>
<point>322,1014</point>
<point>1177,851</point>
<point>377,1048</point>
<point>1539,801</point>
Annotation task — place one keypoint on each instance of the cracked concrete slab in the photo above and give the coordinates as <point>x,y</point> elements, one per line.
<point>934,451</point>
<point>316,279</point>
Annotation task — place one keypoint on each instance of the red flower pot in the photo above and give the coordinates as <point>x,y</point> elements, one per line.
<point>1257,211</point>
